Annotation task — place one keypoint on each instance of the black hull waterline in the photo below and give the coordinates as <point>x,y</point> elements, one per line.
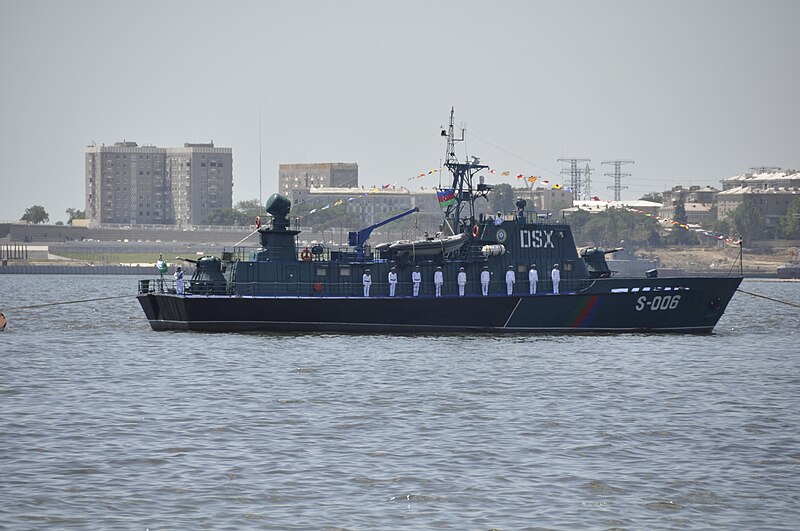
<point>677,305</point>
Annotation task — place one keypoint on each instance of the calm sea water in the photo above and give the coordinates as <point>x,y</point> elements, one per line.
<point>107,424</point>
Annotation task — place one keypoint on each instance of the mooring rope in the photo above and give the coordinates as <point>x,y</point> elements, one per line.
<point>243,239</point>
<point>65,302</point>
<point>769,298</point>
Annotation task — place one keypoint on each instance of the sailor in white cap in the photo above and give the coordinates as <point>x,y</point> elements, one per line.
<point>510,279</point>
<point>367,280</point>
<point>556,276</point>
<point>416,279</point>
<point>178,280</point>
<point>533,278</point>
<point>392,281</point>
<point>462,281</point>
<point>485,277</point>
<point>438,280</point>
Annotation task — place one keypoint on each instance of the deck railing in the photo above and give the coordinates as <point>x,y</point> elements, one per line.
<point>355,288</point>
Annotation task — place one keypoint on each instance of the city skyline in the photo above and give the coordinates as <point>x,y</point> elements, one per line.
<point>692,92</point>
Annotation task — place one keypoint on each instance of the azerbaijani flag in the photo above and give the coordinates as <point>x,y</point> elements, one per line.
<point>446,197</point>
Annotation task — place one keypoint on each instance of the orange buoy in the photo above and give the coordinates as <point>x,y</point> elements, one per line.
<point>2,322</point>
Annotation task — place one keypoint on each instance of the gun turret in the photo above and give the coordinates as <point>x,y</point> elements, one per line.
<point>595,259</point>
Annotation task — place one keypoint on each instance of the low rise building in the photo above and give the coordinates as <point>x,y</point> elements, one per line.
<point>293,177</point>
<point>594,207</point>
<point>370,204</point>
<point>771,192</point>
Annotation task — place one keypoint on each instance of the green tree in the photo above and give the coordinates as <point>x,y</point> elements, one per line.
<point>747,222</point>
<point>722,226</point>
<point>35,214</point>
<point>501,199</point>
<point>679,235</point>
<point>249,209</point>
<point>242,214</point>
<point>74,213</point>
<point>790,222</point>
<point>224,216</point>
<point>610,228</point>
<point>655,197</point>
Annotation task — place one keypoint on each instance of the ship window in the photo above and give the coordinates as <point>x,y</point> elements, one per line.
<point>344,271</point>
<point>568,265</point>
<point>322,271</point>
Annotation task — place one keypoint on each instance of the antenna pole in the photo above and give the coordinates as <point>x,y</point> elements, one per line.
<point>260,197</point>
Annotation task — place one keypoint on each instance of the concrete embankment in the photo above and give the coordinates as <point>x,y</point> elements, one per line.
<point>51,269</point>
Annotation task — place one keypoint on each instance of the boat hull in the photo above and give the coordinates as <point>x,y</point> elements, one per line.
<point>679,305</point>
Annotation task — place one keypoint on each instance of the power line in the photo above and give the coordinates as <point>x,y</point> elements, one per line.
<point>575,175</point>
<point>617,175</point>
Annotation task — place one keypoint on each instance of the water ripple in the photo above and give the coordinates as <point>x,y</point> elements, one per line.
<point>106,424</point>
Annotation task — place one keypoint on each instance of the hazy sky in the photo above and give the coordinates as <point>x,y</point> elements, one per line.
<point>691,91</point>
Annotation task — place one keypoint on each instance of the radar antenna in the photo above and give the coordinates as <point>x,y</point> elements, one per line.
<point>462,188</point>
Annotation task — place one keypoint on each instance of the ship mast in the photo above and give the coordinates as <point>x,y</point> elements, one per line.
<point>463,173</point>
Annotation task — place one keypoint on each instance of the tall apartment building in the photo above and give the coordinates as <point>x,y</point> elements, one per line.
<point>316,175</point>
<point>131,184</point>
<point>201,180</point>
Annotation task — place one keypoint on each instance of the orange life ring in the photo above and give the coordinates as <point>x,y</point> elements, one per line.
<point>305,256</point>
<point>475,231</point>
<point>317,286</point>
<point>258,222</point>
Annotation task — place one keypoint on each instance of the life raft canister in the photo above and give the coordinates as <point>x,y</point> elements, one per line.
<point>305,256</point>
<point>476,230</point>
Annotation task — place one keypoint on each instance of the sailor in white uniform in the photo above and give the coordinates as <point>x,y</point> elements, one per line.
<point>462,281</point>
<point>392,281</point>
<point>367,280</point>
<point>485,277</point>
<point>499,219</point>
<point>438,280</point>
<point>178,280</point>
<point>533,278</point>
<point>510,279</point>
<point>556,275</point>
<point>416,279</point>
